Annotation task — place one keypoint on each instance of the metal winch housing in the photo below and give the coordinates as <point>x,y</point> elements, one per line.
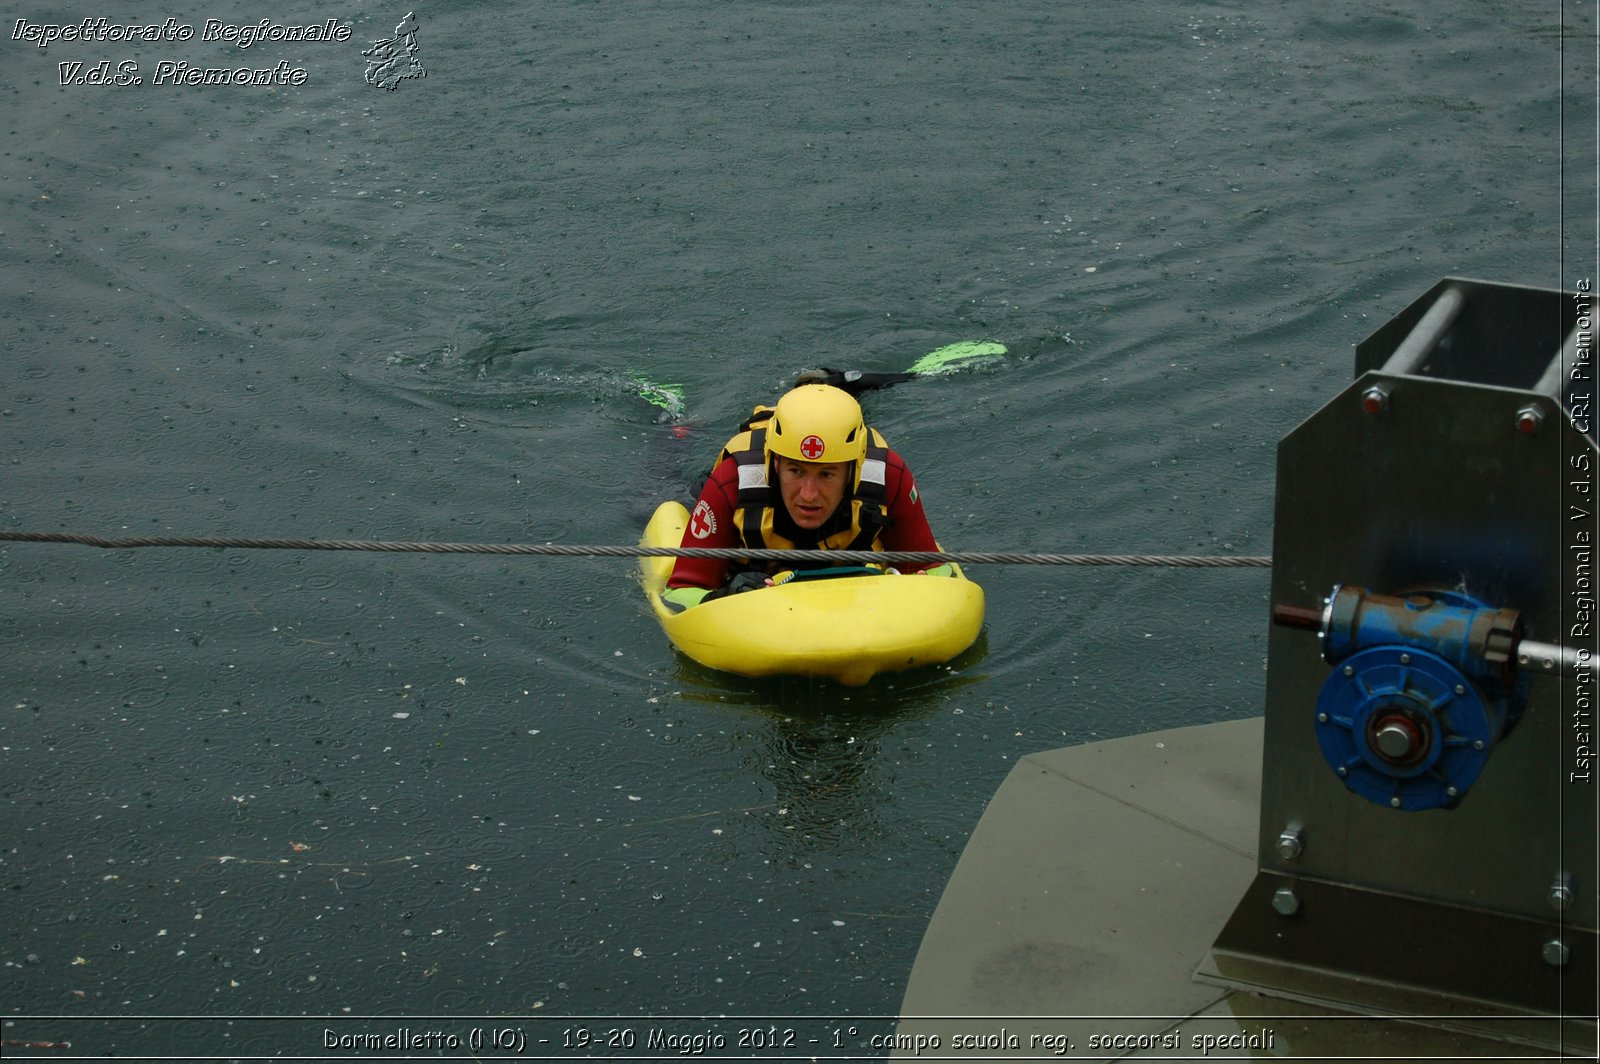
<point>1427,843</point>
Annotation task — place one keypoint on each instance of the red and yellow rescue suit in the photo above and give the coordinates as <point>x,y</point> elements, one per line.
<point>740,506</point>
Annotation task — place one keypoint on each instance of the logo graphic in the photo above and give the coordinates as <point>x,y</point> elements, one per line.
<point>812,447</point>
<point>392,61</point>
<point>702,523</point>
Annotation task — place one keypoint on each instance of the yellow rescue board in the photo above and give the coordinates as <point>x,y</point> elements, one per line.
<point>849,628</point>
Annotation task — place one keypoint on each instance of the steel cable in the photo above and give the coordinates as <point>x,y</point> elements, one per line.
<point>889,557</point>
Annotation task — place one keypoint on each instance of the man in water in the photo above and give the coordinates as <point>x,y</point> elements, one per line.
<point>806,474</point>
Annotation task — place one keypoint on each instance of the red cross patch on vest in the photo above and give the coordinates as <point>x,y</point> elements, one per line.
<point>703,522</point>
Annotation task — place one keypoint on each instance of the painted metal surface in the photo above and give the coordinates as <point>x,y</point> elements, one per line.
<point>1439,489</point>
<point>1442,474</point>
<point>1088,892</point>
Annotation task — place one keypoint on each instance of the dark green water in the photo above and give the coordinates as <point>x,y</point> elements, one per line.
<point>249,783</point>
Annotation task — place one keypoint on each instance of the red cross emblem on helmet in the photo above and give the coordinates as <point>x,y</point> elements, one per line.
<point>812,447</point>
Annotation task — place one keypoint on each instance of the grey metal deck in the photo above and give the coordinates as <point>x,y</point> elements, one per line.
<point>1092,887</point>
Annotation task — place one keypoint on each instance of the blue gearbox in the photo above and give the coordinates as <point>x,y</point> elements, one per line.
<point>1404,728</point>
<point>1421,691</point>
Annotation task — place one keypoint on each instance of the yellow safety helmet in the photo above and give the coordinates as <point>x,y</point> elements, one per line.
<point>817,423</point>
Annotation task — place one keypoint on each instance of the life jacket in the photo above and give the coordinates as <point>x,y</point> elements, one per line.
<point>759,499</point>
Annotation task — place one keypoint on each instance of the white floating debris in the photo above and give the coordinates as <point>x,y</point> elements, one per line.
<point>838,923</point>
<point>400,716</point>
<point>462,680</point>
<point>634,798</point>
<point>637,952</point>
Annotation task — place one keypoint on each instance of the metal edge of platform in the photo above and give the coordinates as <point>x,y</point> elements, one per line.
<point>1090,892</point>
<point>1074,895</point>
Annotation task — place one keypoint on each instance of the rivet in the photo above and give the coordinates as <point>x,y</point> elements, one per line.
<point>1349,670</point>
<point>1451,792</point>
<point>1343,771</point>
<point>1289,844</point>
<point>1405,659</point>
<point>1285,901</point>
<point>1529,420</point>
<point>1555,952</point>
<point>1560,895</point>
<point>1375,400</point>
<point>1477,744</point>
<point>1322,718</point>
<point>1394,803</point>
<point>1461,688</point>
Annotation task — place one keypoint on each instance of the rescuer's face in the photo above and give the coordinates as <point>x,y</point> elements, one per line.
<point>811,490</point>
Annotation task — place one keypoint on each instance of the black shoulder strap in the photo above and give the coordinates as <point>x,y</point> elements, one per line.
<point>759,417</point>
<point>755,493</point>
<point>873,493</point>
